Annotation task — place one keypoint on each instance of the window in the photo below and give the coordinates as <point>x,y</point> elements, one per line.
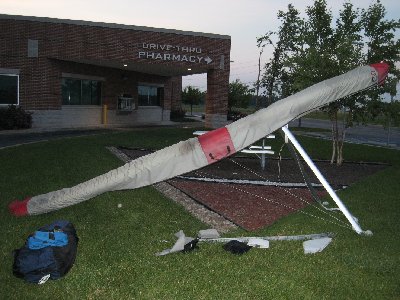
<point>80,92</point>
<point>9,85</point>
<point>150,95</point>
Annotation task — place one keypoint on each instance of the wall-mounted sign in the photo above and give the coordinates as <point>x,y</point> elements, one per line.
<point>166,52</point>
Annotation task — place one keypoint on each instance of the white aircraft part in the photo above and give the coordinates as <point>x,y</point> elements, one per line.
<point>246,239</point>
<point>207,148</point>
<point>256,126</point>
<point>177,159</point>
<point>179,244</point>
<point>317,245</point>
<point>258,243</point>
<point>208,234</point>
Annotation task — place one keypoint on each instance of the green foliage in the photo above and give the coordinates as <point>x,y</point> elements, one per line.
<point>234,115</point>
<point>382,45</point>
<point>315,62</point>
<point>192,96</point>
<point>319,51</point>
<point>239,95</point>
<point>177,115</point>
<point>14,117</point>
<point>276,78</point>
<point>392,113</point>
<point>389,112</point>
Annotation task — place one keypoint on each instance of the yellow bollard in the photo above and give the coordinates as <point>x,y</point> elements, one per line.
<point>104,114</point>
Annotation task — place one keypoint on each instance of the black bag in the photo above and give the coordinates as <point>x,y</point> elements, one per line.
<point>190,246</point>
<point>49,253</point>
<point>236,247</point>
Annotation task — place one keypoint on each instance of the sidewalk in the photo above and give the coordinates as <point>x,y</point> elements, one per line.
<point>10,138</point>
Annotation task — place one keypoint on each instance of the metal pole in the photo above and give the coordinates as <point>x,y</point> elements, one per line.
<point>322,179</point>
<point>263,155</point>
<point>389,125</point>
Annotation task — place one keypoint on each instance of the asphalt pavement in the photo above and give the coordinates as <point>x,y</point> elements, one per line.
<point>360,134</point>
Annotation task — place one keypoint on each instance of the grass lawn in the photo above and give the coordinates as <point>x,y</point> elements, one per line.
<point>117,245</point>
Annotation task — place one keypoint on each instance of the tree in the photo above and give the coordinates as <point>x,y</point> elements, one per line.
<point>358,39</point>
<point>257,84</point>
<point>276,78</point>
<point>347,45</point>
<point>321,51</point>
<point>239,95</point>
<point>314,62</point>
<point>192,96</point>
<point>381,44</point>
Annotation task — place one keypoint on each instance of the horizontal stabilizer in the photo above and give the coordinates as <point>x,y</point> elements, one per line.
<point>317,245</point>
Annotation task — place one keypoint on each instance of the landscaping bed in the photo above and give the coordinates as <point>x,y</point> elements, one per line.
<point>260,201</point>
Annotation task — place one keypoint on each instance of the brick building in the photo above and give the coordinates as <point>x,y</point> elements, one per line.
<point>79,73</point>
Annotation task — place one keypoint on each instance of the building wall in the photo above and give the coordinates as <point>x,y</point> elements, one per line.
<point>100,50</point>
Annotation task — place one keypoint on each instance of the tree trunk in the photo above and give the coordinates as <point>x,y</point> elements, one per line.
<point>334,139</point>
<point>337,140</point>
<point>258,81</point>
<point>333,143</point>
<point>341,133</point>
<point>340,159</point>
<point>338,135</point>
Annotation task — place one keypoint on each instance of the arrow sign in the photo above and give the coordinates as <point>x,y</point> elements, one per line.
<point>208,60</point>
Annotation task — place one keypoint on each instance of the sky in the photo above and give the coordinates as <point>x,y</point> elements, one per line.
<point>243,20</point>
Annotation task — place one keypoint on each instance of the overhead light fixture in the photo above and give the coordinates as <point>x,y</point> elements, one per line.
<point>189,69</point>
<point>125,65</point>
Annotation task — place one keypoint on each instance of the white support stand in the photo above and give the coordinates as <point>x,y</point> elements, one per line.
<point>261,150</point>
<point>322,179</point>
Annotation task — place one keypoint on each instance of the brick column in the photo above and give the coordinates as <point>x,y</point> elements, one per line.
<point>172,93</point>
<point>217,98</point>
<point>172,96</point>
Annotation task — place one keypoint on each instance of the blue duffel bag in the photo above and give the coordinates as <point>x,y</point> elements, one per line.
<point>48,253</point>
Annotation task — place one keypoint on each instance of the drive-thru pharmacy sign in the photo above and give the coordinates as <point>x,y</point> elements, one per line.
<point>167,52</point>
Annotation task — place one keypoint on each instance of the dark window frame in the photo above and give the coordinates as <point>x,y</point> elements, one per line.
<point>80,98</point>
<point>154,95</point>
<point>14,93</point>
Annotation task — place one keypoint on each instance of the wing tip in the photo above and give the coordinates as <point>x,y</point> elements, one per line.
<point>383,69</point>
<point>19,208</point>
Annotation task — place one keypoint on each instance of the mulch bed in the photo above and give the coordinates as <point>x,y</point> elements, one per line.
<point>248,206</point>
<point>255,206</point>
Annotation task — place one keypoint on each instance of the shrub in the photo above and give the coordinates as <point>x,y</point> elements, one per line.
<point>177,115</point>
<point>235,115</point>
<point>14,117</point>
